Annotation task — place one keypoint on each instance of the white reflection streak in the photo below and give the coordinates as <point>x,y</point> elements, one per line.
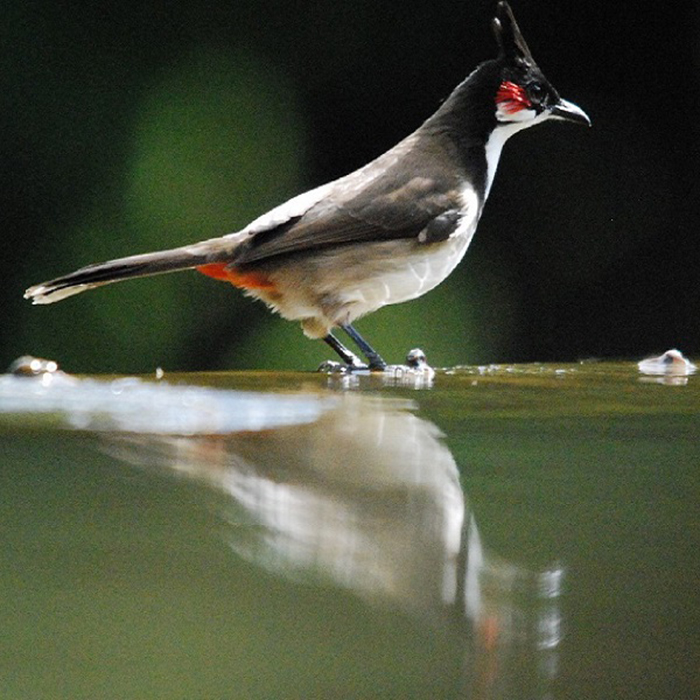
<point>305,529</point>
<point>473,574</point>
<point>379,509</point>
<point>549,623</point>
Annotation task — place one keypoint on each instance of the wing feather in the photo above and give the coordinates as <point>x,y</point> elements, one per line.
<point>397,196</point>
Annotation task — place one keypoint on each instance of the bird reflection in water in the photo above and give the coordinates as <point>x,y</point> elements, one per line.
<point>368,499</point>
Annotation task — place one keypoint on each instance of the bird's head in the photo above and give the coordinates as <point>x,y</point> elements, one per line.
<point>524,96</point>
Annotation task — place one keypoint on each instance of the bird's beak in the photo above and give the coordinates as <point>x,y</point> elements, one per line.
<point>568,111</point>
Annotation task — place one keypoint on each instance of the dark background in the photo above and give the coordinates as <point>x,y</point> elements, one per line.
<point>148,125</point>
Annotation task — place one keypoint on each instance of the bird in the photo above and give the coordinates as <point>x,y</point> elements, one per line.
<point>384,234</point>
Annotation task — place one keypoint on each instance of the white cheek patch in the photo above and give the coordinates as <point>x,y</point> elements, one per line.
<point>508,111</point>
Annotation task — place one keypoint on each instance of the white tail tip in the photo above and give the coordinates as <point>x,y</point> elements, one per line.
<point>41,294</point>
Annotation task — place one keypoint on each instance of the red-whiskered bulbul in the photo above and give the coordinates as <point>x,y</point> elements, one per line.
<point>386,233</point>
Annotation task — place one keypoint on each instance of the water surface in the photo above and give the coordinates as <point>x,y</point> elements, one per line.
<point>495,532</point>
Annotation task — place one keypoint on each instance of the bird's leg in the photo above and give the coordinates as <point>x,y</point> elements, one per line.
<point>348,357</point>
<point>373,357</point>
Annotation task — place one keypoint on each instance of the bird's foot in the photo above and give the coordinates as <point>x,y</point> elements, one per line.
<point>416,363</point>
<point>416,373</point>
<point>333,367</point>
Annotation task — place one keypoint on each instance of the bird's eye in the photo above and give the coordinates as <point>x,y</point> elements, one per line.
<point>536,90</point>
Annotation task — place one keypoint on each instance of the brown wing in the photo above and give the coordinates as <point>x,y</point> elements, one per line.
<point>401,194</point>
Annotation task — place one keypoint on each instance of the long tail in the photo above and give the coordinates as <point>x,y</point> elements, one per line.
<point>187,257</point>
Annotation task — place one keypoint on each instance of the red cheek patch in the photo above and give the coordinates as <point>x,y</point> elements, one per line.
<point>512,98</point>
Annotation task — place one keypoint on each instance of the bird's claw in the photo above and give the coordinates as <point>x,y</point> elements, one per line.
<point>333,367</point>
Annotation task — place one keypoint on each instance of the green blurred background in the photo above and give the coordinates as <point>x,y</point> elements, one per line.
<point>145,125</point>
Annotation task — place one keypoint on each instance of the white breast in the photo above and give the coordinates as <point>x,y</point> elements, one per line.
<point>410,273</point>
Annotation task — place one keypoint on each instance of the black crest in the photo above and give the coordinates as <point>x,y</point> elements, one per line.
<point>511,44</point>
